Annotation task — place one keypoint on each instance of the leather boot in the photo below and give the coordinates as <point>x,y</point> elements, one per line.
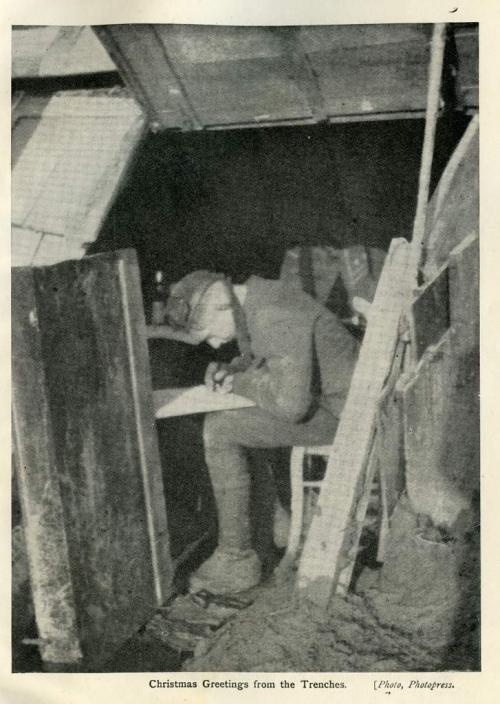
<point>234,566</point>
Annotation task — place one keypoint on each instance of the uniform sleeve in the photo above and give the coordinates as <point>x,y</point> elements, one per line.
<point>281,382</point>
<point>337,351</point>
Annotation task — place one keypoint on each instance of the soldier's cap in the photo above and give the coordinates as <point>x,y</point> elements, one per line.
<point>185,296</point>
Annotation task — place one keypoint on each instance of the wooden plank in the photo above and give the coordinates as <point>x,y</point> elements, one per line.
<point>389,77</point>
<point>190,44</point>
<point>243,91</point>
<point>323,38</point>
<point>140,375</point>
<point>302,71</point>
<point>75,50</point>
<point>139,53</point>
<point>193,77</point>
<point>26,114</point>
<point>37,479</point>
<point>375,116</point>
<point>71,168</point>
<point>29,44</point>
<point>328,538</point>
<point>105,453</point>
<point>111,181</point>
<point>424,177</point>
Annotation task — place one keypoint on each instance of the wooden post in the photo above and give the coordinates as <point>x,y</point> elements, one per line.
<point>433,98</point>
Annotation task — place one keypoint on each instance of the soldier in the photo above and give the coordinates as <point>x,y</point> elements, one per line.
<point>296,363</point>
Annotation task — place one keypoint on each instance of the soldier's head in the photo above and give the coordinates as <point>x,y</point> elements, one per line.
<point>201,305</point>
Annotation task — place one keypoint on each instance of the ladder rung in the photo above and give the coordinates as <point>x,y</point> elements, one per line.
<point>322,450</point>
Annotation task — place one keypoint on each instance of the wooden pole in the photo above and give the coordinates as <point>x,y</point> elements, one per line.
<point>432,110</point>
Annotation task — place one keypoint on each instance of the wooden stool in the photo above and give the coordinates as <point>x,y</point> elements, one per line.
<point>300,455</point>
<point>298,484</point>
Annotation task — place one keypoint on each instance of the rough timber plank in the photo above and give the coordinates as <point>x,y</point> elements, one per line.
<point>142,394</point>
<point>105,460</point>
<point>139,53</point>
<point>328,538</point>
<point>71,168</point>
<point>39,491</point>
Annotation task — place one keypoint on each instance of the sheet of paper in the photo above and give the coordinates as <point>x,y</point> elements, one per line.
<point>195,399</point>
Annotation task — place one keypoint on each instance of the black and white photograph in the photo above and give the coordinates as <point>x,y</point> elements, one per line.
<point>245,351</point>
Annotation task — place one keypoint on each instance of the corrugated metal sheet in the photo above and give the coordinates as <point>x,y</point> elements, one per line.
<point>68,173</point>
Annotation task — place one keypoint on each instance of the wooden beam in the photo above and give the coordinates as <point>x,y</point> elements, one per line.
<point>180,92</point>
<point>143,60</point>
<point>377,116</point>
<point>330,535</point>
<point>302,71</point>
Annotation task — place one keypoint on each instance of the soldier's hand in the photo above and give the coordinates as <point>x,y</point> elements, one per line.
<point>225,385</point>
<point>210,373</point>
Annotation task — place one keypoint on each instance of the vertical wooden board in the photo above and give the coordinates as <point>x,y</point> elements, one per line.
<point>38,485</point>
<point>333,526</point>
<point>101,444</point>
<point>128,272</point>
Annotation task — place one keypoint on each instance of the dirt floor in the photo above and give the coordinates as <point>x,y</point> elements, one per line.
<point>417,612</point>
<point>420,612</point>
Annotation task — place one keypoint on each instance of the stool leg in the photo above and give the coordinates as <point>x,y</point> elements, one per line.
<point>297,502</point>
